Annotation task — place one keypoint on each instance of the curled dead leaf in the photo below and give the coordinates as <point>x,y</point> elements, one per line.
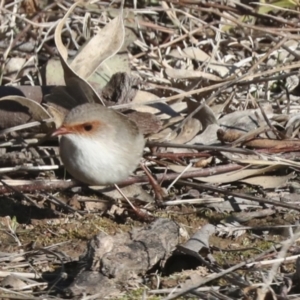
<point>188,132</point>
<point>205,115</point>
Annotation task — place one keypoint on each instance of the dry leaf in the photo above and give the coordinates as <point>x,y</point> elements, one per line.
<point>102,46</point>
<point>54,73</point>
<point>199,55</point>
<point>118,63</point>
<point>17,67</point>
<point>188,132</point>
<point>207,137</point>
<point>188,74</point>
<point>79,88</point>
<point>205,115</point>
<point>35,110</point>
<point>227,177</point>
<point>246,120</point>
<point>164,110</point>
<point>269,161</point>
<point>163,136</point>
<point>268,182</point>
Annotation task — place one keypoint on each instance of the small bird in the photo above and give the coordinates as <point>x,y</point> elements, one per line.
<point>98,145</point>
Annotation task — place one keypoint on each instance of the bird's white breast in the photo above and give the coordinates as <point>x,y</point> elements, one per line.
<point>96,163</point>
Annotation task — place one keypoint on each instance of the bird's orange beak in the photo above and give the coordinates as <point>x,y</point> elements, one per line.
<point>61,131</point>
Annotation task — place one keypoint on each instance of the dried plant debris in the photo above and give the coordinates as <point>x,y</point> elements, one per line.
<point>214,87</point>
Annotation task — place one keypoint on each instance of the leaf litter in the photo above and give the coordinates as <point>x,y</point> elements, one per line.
<point>215,87</point>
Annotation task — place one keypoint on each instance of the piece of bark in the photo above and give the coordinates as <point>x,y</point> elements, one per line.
<point>260,143</point>
<point>199,241</point>
<point>120,89</point>
<point>123,257</point>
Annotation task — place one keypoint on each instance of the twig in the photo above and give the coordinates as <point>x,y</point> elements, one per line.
<point>240,195</point>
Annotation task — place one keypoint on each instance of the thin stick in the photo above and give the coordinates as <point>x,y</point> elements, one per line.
<point>124,196</point>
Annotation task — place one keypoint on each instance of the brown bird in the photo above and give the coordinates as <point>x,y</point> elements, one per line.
<point>98,145</point>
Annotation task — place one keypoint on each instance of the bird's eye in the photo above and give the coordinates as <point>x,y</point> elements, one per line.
<point>87,127</point>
